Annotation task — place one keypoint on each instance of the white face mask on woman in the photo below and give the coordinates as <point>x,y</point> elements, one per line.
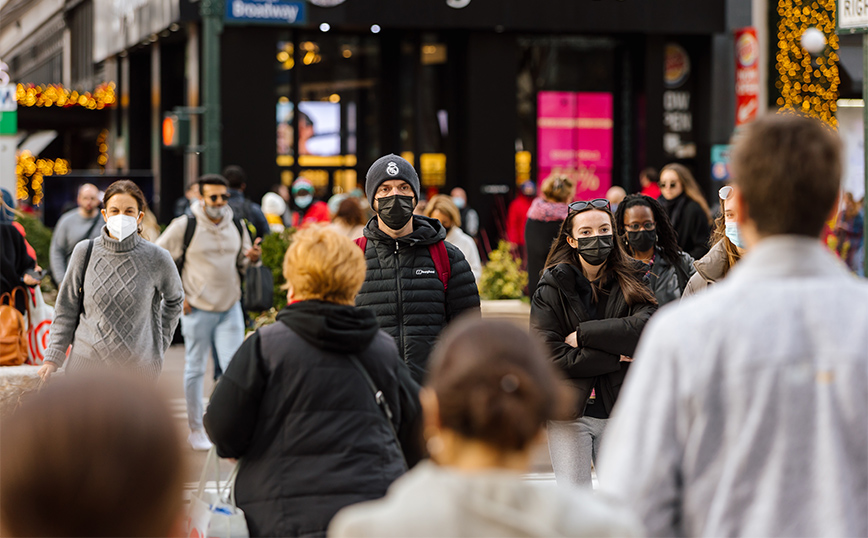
<point>122,226</point>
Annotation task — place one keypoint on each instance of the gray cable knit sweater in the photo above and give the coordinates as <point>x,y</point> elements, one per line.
<point>132,302</point>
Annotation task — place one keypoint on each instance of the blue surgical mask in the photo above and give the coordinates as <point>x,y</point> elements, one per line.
<point>733,235</point>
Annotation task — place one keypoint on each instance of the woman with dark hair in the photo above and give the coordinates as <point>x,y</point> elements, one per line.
<point>590,308</point>
<point>121,297</point>
<point>488,396</point>
<point>727,248</point>
<point>648,236</point>
<point>687,209</point>
<point>543,220</point>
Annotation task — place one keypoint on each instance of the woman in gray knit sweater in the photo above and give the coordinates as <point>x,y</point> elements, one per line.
<point>132,296</point>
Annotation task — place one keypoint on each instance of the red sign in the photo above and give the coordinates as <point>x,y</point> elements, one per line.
<point>747,56</point>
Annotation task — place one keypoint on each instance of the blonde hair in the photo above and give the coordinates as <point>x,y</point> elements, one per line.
<point>322,265</point>
<point>559,188</point>
<point>445,205</point>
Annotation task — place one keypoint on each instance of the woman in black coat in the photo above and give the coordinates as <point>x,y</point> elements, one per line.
<point>296,408</point>
<point>590,308</point>
<point>687,209</point>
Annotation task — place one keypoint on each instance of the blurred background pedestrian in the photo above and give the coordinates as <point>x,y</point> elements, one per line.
<point>469,216</point>
<point>849,233</point>
<point>648,180</point>
<point>615,195</point>
<point>74,226</point>
<point>727,248</point>
<point>516,218</point>
<point>544,219</point>
<point>305,209</point>
<point>242,206</point>
<point>687,209</point>
<point>273,207</point>
<point>349,220</point>
<point>647,235</point>
<point>105,448</point>
<point>121,298</point>
<point>294,404</point>
<point>590,308</point>
<point>488,395</point>
<point>442,208</point>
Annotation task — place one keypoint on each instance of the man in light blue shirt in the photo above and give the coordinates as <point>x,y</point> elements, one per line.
<point>745,412</point>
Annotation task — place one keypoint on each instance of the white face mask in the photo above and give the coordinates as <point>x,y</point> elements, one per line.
<point>122,226</point>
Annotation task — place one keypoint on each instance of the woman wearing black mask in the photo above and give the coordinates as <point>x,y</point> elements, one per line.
<point>648,236</point>
<point>590,308</point>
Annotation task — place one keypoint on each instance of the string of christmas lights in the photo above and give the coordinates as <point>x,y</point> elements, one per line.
<point>56,95</point>
<point>807,84</point>
<point>31,173</point>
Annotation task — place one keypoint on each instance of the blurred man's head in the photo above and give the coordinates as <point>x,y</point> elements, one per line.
<point>106,447</point>
<point>236,177</point>
<point>787,174</point>
<point>88,199</point>
<point>647,177</point>
<point>615,195</point>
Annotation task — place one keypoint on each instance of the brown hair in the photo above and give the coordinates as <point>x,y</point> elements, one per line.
<point>691,188</point>
<point>445,205</point>
<point>788,169</point>
<point>494,384</point>
<point>619,264</point>
<point>97,455</point>
<point>324,265</point>
<point>350,212</point>
<point>125,186</point>
<point>559,188</point>
<point>719,234</point>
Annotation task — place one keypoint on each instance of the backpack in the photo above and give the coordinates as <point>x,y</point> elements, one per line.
<point>13,334</point>
<point>438,255</point>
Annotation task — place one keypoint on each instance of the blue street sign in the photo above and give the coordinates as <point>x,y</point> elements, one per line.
<point>266,11</point>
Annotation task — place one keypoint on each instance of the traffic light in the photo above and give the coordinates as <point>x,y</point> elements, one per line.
<point>176,130</point>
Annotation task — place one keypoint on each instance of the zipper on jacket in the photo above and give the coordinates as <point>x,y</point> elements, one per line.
<point>400,313</point>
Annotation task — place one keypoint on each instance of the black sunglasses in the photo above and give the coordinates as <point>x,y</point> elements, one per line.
<point>224,197</point>
<point>596,203</point>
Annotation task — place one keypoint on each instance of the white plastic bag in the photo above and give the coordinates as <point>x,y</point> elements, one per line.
<point>38,324</point>
<point>214,515</point>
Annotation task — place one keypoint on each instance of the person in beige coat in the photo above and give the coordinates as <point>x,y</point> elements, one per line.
<point>489,393</point>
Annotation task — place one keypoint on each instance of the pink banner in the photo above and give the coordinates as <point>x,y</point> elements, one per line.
<point>574,137</point>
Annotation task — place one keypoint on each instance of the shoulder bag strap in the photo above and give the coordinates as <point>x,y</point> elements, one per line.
<point>90,230</point>
<point>83,274</point>
<point>381,403</point>
<point>188,236</point>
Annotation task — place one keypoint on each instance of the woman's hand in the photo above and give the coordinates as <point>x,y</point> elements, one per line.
<point>571,339</point>
<point>187,307</point>
<point>46,370</point>
<point>625,358</point>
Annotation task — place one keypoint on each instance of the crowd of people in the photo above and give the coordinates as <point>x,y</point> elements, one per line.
<point>714,380</point>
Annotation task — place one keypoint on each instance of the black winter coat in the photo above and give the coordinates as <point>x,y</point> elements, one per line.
<point>562,304</point>
<point>690,223</point>
<point>304,422</point>
<point>404,291</point>
<point>668,281</point>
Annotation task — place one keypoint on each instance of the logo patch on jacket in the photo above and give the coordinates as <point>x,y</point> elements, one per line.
<point>420,272</point>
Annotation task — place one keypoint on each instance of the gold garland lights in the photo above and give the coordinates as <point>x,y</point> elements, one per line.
<point>806,87</point>
<point>56,95</point>
<point>31,173</point>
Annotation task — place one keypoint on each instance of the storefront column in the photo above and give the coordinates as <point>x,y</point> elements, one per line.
<point>191,159</point>
<point>156,120</point>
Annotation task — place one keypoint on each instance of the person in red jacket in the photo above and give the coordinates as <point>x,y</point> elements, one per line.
<point>305,208</point>
<point>516,216</point>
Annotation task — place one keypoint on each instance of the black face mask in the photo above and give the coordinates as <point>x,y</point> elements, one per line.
<point>395,211</point>
<point>642,241</point>
<point>596,249</point>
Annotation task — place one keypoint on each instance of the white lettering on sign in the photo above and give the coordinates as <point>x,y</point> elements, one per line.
<point>243,10</point>
<point>676,101</point>
<point>852,14</point>
<point>678,122</point>
<point>8,103</point>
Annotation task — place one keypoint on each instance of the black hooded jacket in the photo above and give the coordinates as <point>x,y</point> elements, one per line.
<point>562,304</point>
<point>304,422</point>
<point>404,291</point>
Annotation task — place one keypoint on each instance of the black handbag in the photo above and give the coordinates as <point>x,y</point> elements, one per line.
<point>258,289</point>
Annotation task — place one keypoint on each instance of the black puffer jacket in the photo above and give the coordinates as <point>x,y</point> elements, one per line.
<point>562,304</point>
<point>304,421</point>
<point>404,291</point>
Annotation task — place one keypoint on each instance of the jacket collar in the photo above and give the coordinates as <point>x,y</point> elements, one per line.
<point>426,231</point>
<point>788,256</point>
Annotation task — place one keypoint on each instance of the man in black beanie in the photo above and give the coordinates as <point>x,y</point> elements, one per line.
<point>415,282</point>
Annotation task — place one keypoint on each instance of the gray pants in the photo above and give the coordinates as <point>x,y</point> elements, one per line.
<point>573,446</point>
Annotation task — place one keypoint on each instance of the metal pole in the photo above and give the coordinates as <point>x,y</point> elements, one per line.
<point>212,26</point>
<point>865,151</point>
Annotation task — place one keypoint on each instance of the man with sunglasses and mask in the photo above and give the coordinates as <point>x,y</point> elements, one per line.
<point>412,297</point>
<point>211,265</point>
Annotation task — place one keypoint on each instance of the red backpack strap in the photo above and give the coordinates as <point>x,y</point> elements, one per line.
<point>362,242</point>
<point>441,262</point>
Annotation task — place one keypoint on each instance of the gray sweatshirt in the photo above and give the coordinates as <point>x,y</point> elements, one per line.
<point>745,412</point>
<point>132,302</point>
<point>69,230</point>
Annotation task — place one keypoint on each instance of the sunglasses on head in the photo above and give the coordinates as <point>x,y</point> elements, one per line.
<point>596,203</point>
<point>724,192</point>
<point>215,197</point>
